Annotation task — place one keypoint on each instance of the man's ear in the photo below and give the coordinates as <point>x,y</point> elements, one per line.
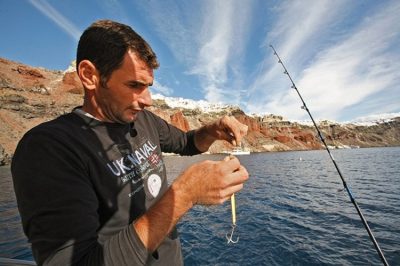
<point>88,74</point>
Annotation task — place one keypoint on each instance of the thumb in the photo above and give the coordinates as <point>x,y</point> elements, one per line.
<point>228,158</point>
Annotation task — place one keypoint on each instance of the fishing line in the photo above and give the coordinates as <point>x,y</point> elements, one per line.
<point>364,221</point>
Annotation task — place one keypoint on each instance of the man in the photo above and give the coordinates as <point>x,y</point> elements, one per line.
<point>91,185</point>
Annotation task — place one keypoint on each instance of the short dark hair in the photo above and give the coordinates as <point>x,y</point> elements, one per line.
<point>105,42</point>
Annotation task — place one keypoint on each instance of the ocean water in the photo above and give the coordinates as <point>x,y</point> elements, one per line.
<point>292,211</point>
<point>13,243</point>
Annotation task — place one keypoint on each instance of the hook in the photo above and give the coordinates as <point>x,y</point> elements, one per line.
<point>230,237</point>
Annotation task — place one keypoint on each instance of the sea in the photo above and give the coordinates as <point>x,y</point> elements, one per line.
<point>293,210</point>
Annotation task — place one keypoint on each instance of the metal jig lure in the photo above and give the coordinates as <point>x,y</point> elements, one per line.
<point>229,237</point>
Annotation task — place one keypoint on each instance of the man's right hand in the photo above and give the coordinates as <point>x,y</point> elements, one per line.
<point>212,182</point>
<point>206,183</point>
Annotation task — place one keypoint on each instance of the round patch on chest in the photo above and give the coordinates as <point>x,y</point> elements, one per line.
<point>154,184</point>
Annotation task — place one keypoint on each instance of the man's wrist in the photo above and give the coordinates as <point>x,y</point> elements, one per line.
<point>182,191</point>
<point>203,139</point>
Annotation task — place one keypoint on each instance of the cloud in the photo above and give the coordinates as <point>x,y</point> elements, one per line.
<point>159,88</point>
<point>207,38</point>
<point>176,25</point>
<point>223,39</point>
<point>341,54</point>
<point>361,65</point>
<point>301,24</point>
<point>56,17</point>
<point>299,27</point>
<point>342,74</point>
<point>212,59</point>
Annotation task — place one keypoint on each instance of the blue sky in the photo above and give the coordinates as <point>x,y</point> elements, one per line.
<point>343,55</point>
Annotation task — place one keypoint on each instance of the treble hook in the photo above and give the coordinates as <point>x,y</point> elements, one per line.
<point>233,207</point>
<point>229,237</point>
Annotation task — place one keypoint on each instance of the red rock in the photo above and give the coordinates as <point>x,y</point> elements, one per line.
<point>72,83</point>
<point>26,71</point>
<point>179,120</point>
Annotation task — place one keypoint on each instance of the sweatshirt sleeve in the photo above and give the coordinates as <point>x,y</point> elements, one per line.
<point>58,206</point>
<point>173,139</point>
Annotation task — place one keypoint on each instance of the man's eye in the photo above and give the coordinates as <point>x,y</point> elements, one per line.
<point>135,85</point>
<point>138,85</point>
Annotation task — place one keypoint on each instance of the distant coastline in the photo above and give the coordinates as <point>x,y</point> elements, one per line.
<point>30,96</point>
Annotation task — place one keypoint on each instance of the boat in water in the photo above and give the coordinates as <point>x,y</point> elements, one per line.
<point>238,151</point>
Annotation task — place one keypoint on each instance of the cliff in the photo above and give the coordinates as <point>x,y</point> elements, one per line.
<point>29,96</point>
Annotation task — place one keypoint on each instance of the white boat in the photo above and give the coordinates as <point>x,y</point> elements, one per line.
<point>239,151</point>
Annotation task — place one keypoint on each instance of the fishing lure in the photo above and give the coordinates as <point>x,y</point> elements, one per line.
<point>364,221</point>
<point>229,237</point>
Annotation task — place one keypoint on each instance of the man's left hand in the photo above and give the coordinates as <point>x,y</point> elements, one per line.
<point>230,129</point>
<point>227,128</point>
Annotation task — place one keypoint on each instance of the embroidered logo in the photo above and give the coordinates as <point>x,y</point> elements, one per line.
<point>154,184</point>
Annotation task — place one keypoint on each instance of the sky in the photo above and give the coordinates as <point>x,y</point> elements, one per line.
<point>343,55</point>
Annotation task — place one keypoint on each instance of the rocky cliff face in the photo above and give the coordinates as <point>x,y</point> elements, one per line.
<point>29,96</point>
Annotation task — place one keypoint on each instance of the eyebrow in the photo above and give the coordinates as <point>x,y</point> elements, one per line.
<point>138,82</point>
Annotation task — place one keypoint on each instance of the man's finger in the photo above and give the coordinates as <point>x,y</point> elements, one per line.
<point>227,158</point>
<point>231,164</point>
<point>239,130</point>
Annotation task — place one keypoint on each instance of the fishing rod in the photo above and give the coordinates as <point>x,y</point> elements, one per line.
<point>364,221</point>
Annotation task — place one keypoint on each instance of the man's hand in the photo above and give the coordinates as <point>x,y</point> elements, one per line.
<point>205,183</point>
<point>212,182</point>
<point>227,128</point>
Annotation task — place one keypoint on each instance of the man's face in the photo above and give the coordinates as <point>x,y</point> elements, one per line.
<point>127,92</point>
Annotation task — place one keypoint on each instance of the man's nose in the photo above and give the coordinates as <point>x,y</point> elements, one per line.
<point>145,97</point>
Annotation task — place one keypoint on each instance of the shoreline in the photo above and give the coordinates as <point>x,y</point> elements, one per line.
<point>8,163</point>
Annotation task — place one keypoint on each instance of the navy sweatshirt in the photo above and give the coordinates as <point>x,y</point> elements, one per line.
<point>81,183</point>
